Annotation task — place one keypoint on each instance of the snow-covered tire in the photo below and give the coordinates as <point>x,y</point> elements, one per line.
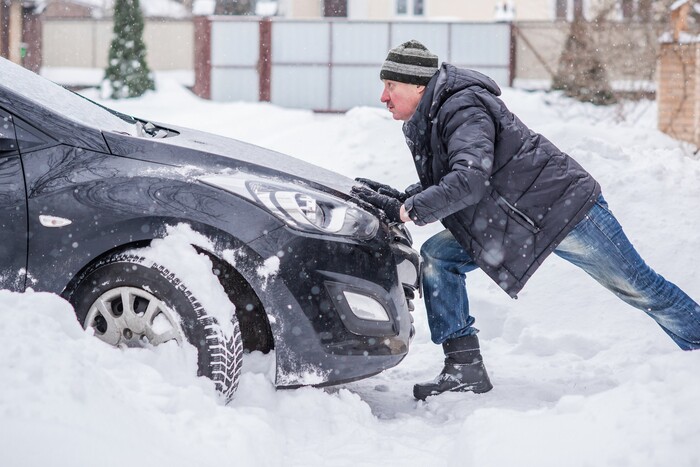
<point>161,308</point>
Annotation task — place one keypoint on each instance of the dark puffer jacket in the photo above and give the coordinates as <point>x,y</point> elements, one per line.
<point>507,194</point>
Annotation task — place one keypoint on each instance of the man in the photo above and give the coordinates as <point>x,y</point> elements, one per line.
<point>508,198</point>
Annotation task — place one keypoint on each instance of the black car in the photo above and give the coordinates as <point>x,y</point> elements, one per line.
<point>84,190</point>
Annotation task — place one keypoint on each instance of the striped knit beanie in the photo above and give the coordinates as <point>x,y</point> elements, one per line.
<point>411,63</point>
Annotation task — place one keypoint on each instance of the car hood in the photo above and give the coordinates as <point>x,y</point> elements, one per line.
<point>215,153</point>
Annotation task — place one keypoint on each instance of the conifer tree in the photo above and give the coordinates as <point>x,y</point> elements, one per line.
<point>127,73</point>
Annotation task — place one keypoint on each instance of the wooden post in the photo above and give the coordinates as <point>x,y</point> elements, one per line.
<point>265,60</point>
<point>202,57</point>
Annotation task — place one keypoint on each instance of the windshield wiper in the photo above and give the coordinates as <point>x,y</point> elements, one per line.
<point>154,131</point>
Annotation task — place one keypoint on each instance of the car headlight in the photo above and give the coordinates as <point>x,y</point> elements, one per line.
<point>301,207</point>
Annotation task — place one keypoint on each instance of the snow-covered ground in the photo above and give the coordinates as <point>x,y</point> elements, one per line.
<point>580,378</point>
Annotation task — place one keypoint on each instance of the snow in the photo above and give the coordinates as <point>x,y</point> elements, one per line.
<point>266,8</point>
<point>164,9</point>
<point>683,38</point>
<point>176,254</point>
<point>203,7</point>
<point>677,4</point>
<point>581,379</point>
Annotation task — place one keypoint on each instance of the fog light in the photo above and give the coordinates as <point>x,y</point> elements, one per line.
<point>408,274</point>
<point>365,307</point>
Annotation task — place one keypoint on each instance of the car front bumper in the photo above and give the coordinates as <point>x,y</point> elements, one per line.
<point>340,310</point>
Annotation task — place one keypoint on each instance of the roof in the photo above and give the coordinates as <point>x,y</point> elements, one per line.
<point>100,8</point>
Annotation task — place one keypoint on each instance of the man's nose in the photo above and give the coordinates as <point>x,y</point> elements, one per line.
<point>385,96</point>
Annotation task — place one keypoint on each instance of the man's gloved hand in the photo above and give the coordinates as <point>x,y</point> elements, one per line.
<point>383,189</point>
<point>391,206</point>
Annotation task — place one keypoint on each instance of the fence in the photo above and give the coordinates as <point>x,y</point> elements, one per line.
<point>629,51</point>
<point>329,65</point>
<point>332,64</point>
<point>84,43</point>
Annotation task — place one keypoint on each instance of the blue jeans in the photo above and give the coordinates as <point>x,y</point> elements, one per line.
<point>597,245</point>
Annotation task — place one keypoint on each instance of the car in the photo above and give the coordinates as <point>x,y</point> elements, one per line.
<point>308,271</point>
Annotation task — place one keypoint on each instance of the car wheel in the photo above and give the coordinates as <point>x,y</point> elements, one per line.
<point>130,301</point>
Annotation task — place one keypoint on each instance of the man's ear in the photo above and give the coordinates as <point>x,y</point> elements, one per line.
<point>421,88</point>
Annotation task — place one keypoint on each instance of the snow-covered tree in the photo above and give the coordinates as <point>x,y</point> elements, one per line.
<point>127,73</point>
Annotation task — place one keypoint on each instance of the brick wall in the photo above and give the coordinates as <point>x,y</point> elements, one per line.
<point>678,91</point>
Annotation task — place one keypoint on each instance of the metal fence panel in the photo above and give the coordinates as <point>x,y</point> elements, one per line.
<point>234,44</point>
<point>300,42</point>
<point>483,47</point>
<point>234,60</point>
<point>300,58</point>
<point>234,84</point>
<point>355,86</point>
<point>360,42</point>
<point>333,65</point>
<point>300,86</point>
<point>480,44</point>
<point>358,51</point>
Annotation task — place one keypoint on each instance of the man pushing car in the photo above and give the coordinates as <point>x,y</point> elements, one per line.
<point>508,198</point>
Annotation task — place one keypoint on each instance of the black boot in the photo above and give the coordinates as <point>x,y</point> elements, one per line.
<point>464,370</point>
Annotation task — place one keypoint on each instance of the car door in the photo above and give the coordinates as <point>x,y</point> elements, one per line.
<point>13,209</point>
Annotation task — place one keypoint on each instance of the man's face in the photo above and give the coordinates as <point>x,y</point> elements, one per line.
<point>401,99</point>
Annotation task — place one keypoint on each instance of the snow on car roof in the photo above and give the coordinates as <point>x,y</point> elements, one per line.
<point>59,100</point>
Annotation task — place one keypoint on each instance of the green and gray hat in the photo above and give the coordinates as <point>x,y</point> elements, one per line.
<point>410,62</point>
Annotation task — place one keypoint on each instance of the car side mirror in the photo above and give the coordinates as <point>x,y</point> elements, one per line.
<point>7,145</point>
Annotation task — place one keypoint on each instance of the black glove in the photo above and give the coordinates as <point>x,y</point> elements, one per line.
<point>391,206</point>
<point>383,189</point>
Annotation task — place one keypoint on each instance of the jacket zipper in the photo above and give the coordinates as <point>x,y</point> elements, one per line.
<point>520,213</point>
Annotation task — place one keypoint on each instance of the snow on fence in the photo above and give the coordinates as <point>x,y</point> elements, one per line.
<point>329,65</point>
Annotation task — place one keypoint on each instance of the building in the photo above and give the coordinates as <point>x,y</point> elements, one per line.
<point>20,32</point>
<point>466,10</point>
<point>22,24</point>
<point>73,9</point>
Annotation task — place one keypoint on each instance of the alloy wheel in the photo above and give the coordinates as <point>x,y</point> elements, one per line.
<point>133,317</point>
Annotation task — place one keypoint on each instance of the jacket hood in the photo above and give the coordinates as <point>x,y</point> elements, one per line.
<point>450,79</point>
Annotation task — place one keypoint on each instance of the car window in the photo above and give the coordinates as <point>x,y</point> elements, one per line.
<point>60,100</point>
<point>29,138</point>
<point>8,143</point>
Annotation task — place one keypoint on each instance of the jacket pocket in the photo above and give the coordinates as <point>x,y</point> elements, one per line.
<point>517,215</point>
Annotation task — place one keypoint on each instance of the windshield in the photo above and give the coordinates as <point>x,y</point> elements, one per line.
<point>60,100</point>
